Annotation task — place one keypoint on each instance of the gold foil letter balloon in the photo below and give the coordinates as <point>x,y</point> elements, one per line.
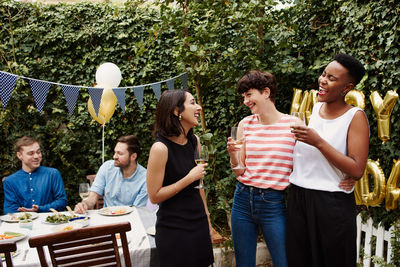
<point>392,188</point>
<point>296,100</point>
<point>383,109</point>
<point>355,98</point>
<point>362,191</point>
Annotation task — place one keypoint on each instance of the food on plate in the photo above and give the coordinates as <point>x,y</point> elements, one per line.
<point>22,217</point>
<point>66,228</point>
<point>58,218</point>
<point>9,235</point>
<point>114,211</point>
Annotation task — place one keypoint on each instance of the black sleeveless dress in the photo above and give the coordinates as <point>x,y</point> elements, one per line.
<point>182,232</point>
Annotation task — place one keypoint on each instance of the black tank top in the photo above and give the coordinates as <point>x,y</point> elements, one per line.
<point>187,205</point>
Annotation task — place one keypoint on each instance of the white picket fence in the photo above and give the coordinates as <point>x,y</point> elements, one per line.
<point>382,238</point>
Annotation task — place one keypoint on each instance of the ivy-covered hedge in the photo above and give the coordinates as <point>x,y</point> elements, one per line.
<point>215,41</point>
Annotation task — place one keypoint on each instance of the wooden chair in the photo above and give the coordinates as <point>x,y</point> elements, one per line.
<point>7,248</point>
<point>100,201</point>
<point>89,246</point>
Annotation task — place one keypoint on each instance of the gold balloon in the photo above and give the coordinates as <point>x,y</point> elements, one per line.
<point>304,103</point>
<point>313,95</point>
<point>389,102</point>
<point>357,193</point>
<point>376,101</point>
<point>363,193</point>
<point>106,109</point>
<point>355,98</point>
<point>383,109</point>
<point>392,189</point>
<point>296,100</point>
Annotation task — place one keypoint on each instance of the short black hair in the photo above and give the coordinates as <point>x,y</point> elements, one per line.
<point>256,79</point>
<point>355,68</point>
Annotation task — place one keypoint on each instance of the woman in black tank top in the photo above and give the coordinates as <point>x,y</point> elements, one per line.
<point>183,226</point>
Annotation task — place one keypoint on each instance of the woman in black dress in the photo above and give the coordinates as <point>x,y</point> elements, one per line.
<point>183,225</point>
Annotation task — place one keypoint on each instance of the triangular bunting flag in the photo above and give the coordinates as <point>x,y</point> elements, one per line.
<point>71,95</point>
<point>138,91</point>
<point>95,95</point>
<point>157,90</point>
<point>120,94</point>
<point>7,82</point>
<point>40,89</point>
<point>170,84</point>
<point>184,79</point>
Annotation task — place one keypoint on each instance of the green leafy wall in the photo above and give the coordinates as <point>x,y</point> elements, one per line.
<point>215,41</point>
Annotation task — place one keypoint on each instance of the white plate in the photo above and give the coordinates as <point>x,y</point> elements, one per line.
<point>116,211</point>
<point>14,217</point>
<point>24,233</point>
<point>13,254</point>
<point>151,230</point>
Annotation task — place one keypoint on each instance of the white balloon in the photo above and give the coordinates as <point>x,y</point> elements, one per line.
<point>108,75</point>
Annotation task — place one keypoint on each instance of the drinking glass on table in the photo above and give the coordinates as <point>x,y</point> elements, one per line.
<point>201,157</point>
<point>238,144</point>
<point>84,190</point>
<point>297,119</point>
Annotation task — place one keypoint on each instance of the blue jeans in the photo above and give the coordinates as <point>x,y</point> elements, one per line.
<point>252,208</point>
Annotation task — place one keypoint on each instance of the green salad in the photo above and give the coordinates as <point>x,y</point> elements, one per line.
<point>62,218</point>
<point>22,217</point>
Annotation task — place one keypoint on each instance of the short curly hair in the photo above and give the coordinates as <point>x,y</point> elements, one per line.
<point>256,79</point>
<point>355,68</point>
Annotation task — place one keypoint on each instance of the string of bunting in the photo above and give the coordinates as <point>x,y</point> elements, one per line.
<point>41,88</point>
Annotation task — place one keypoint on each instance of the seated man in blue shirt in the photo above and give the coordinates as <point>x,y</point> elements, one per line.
<point>33,188</point>
<point>122,180</point>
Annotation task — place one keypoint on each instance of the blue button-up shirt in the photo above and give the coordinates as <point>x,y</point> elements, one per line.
<point>120,191</point>
<point>43,187</point>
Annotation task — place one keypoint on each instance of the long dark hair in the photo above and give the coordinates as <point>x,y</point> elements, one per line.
<point>167,123</point>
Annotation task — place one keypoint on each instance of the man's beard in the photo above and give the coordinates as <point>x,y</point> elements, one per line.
<point>122,166</point>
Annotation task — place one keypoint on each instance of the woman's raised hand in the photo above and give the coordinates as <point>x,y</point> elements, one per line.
<point>231,146</point>
<point>198,172</point>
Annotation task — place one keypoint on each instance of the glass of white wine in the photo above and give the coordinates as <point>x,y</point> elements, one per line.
<point>238,144</point>
<point>84,190</point>
<point>298,118</point>
<point>201,157</point>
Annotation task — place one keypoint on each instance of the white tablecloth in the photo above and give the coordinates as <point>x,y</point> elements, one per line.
<point>140,243</point>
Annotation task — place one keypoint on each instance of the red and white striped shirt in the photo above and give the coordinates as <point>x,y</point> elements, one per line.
<point>269,153</point>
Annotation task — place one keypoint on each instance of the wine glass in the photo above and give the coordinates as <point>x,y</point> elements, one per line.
<point>238,144</point>
<point>201,157</point>
<point>84,190</point>
<point>297,119</point>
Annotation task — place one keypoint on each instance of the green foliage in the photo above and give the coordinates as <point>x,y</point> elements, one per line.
<point>215,41</point>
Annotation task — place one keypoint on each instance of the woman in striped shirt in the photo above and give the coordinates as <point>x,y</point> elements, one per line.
<point>267,157</point>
